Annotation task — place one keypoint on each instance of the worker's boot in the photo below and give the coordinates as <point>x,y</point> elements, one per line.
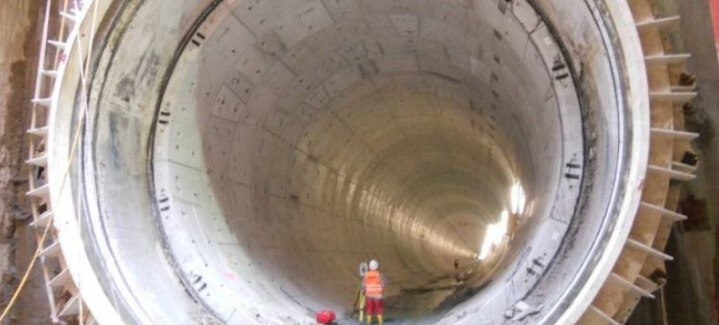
<point>361,316</point>
<point>369,319</point>
<point>380,319</point>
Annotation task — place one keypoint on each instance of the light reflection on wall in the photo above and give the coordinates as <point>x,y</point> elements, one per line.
<point>496,233</point>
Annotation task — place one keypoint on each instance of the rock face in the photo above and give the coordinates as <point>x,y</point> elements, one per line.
<point>19,32</point>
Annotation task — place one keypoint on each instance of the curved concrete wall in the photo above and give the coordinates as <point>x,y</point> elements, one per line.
<point>244,156</point>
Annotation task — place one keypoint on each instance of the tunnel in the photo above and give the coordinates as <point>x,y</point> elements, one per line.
<point>234,162</point>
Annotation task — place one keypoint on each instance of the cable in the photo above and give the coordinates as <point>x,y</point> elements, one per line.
<point>83,76</point>
<point>66,172</point>
<point>41,240</point>
<point>45,231</point>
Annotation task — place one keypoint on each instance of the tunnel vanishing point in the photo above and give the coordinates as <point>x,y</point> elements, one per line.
<point>232,162</point>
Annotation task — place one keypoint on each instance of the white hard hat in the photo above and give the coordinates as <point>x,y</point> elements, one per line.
<point>373,265</point>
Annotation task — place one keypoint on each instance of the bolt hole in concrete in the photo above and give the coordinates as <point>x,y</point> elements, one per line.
<point>292,140</point>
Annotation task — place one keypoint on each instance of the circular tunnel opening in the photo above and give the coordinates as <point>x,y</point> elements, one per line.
<point>300,150</point>
<point>405,173</point>
<point>458,143</point>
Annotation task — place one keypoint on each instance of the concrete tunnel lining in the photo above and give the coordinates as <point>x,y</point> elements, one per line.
<point>122,128</point>
<point>332,107</point>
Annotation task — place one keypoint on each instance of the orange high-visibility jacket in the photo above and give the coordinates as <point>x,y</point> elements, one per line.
<point>373,284</point>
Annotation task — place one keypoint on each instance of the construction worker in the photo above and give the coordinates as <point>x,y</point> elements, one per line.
<point>373,286</point>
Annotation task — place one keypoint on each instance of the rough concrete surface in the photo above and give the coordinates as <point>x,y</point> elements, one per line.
<point>703,116</point>
<point>18,53</point>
